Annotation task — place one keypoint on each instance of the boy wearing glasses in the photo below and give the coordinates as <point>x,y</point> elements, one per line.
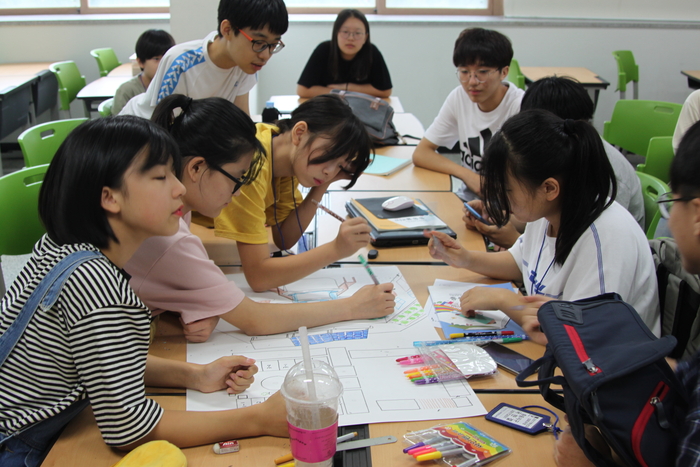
<point>473,111</point>
<point>223,64</point>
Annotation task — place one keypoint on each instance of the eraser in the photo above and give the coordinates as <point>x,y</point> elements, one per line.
<point>372,254</point>
<point>225,447</point>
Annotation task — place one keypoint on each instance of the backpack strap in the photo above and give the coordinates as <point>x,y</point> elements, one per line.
<point>546,366</point>
<point>45,295</point>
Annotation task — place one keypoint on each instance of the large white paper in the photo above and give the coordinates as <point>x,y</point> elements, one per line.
<point>363,353</point>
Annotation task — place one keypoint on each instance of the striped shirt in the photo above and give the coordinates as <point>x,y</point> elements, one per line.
<point>92,343</point>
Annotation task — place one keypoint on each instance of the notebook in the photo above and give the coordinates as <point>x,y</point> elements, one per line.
<point>397,228</point>
<point>383,165</point>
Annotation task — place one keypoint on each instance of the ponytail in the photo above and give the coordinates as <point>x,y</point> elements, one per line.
<point>535,145</point>
<point>212,128</point>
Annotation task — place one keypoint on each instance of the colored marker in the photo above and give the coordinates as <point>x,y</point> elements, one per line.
<point>288,464</point>
<point>364,263</point>
<point>284,459</point>
<point>323,208</point>
<point>457,335</point>
<point>474,340</point>
<point>412,360</point>
<point>436,439</point>
<point>438,454</point>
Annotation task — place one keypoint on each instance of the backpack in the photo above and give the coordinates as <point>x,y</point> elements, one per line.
<point>679,298</point>
<point>375,113</point>
<point>614,377</point>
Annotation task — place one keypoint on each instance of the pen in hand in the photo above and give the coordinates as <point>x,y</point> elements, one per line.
<point>363,262</point>
<point>323,208</point>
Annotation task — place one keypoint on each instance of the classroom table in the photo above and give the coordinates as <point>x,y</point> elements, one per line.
<point>125,69</point>
<point>81,445</point>
<point>286,103</point>
<point>693,78</point>
<point>418,178</point>
<point>447,206</point>
<point>100,90</point>
<point>590,80</point>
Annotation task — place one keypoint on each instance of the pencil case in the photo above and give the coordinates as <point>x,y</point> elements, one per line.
<point>438,364</point>
<point>455,444</point>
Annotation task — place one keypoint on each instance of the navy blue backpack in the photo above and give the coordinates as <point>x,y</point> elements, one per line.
<point>614,377</point>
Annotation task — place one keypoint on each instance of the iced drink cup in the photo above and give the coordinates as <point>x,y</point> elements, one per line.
<point>313,423</point>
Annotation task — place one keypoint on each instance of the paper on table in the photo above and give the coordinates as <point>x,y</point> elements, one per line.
<point>363,353</point>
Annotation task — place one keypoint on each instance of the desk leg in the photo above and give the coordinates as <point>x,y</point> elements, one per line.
<point>88,106</point>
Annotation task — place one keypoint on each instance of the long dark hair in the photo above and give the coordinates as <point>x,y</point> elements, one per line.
<point>328,116</point>
<point>362,62</point>
<point>95,155</point>
<point>212,128</point>
<point>535,145</point>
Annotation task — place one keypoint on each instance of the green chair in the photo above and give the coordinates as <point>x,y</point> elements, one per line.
<point>652,188</point>
<point>627,70</point>
<point>70,82</point>
<point>659,158</point>
<point>39,143</point>
<point>516,76</point>
<point>106,60</point>
<point>105,107</point>
<point>19,210</point>
<point>635,122</point>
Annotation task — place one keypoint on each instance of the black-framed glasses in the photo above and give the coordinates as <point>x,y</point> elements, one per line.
<point>260,46</point>
<point>666,200</point>
<point>239,182</point>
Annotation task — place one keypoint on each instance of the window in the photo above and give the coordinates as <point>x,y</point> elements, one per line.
<point>400,7</point>
<point>39,7</point>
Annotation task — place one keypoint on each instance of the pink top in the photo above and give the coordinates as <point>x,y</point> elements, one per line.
<point>175,274</point>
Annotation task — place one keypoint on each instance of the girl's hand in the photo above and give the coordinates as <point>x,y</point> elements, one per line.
<point>372,301</point>
<point>567,452</point>
<point>273,416</point>
<point>504,236</point>
<point>200,330</point>
<point>531,326</point>
<point>483,298</point>
<point>447,249</point>
<point>234,373</point>
<point>353,235</point>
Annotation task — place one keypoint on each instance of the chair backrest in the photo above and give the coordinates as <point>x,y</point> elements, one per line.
<point>627,69</point>
<point>516,76</point>
<point>106,60</point>
<point>39,143</point>
<point>659,158</point>
<point>652,188</point>
<point>105,107</point>
<point>19,210</point>
<point>70,82</point>
<point>635,122</point>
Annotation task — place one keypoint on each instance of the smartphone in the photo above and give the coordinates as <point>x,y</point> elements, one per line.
<point>477,215</point>
<point>506,358</point>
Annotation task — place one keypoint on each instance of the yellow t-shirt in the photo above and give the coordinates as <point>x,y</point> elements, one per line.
<point>244,219</point>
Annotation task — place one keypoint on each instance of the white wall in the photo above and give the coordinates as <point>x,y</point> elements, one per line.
<point>419,50</point>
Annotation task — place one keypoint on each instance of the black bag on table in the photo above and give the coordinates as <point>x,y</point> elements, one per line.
<point>614,377</point>
<point>375,113</point>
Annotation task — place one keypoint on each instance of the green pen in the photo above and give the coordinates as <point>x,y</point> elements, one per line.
<point>363,262</point>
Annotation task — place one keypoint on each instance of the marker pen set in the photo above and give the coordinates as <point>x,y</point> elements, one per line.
<point>457,444</point>
<point>439,364</point>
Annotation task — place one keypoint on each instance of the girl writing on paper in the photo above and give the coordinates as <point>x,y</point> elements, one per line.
<point>110,186</point>
<point>221,155</point>
<point>321,143</point>
<point>349,61</point>
<point>554,175</point>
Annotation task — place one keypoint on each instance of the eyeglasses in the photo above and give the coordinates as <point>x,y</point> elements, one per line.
<point>481,76</point>
<point>353,34</point>
<point>260,46</point>
<point>666,200</point>
<point>239,182</point>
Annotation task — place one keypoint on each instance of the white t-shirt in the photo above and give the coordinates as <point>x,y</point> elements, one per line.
<point>187,69</point>
<point>612,255</point>
<point>461,120</point>
<point>690,113</point>
<point>629,188</point>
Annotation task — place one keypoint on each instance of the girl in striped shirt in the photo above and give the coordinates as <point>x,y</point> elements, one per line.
<point>111,185</point>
